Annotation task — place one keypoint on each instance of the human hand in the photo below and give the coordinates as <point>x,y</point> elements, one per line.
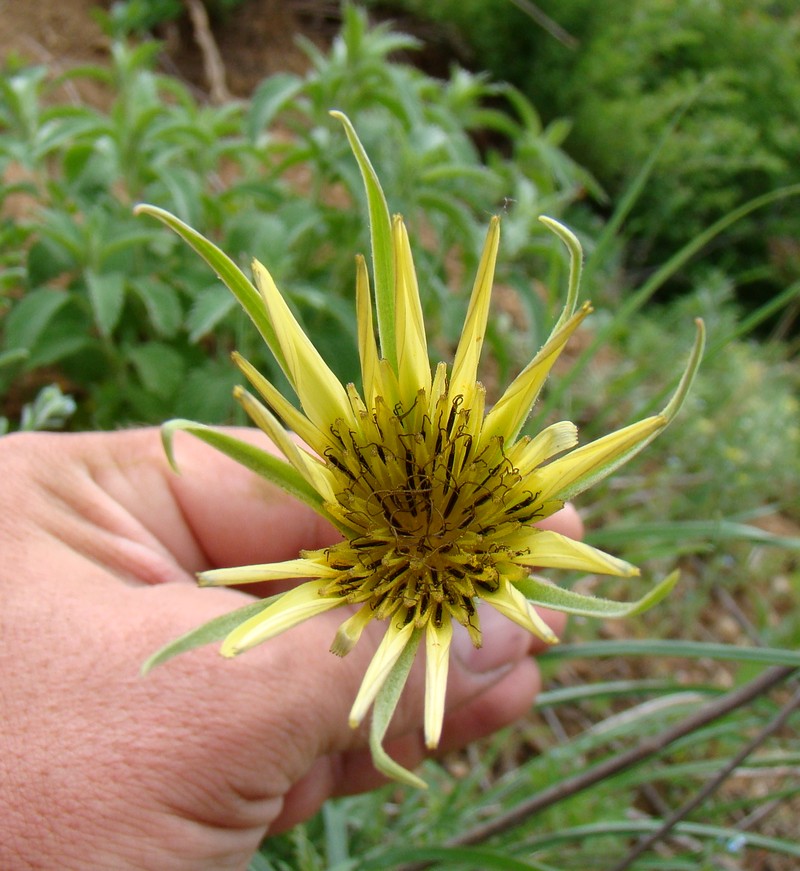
<point>191,766</point>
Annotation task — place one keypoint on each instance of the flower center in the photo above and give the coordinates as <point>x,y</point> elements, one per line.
<point>431,504</point>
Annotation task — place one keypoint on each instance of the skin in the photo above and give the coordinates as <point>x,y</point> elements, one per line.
<point>191,766</point>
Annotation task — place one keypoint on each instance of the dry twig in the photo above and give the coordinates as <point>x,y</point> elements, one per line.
<point>715,709</point>
<point>711,785</point>
<point>213,66</point>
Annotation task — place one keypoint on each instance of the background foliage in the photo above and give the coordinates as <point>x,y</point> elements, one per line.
<point>623,71</point>
<point>138,329</point>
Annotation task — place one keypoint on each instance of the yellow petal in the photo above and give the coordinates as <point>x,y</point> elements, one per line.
<point>514,406</point>
<point>465,364</point>
<point>293,419</point>
<point>413,366</point>
<point>437,661</point>
<point>583,467</point>
<point>392,645</point>
<point>309,467</point>
<point>294,607</point>
<point>287,570</point>
<point>321,394</point>
<point>512,604</point>
<point>371,380</point>
<point>350,631</point>
<point>553,440</point>
<point>552,550</point>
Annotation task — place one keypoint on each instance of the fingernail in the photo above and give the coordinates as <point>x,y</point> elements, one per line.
<point>504,643</point>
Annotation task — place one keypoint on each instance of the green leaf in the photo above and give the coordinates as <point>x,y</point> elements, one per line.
<point>691,649</point>
<point>160,367</point>
<point>214,630</point>
<point>228,272</point>
<point>266,465</point>
<point>206,394</point>
<point>719,835</point>
<point>450,857</point>
<point>209,307</point>
<point>676,532</point>
<point>9,358</point>
<point>60,343</point>
<point>185,192</point>
<point>162,304</point>
<point>123,241</point>
<point>570,602</point>
<point>614,689</point>
<point>380,225</point>
<point>107,296</point>
<point>271,96</point>
<point>383,710</point>
<point>31,315</point>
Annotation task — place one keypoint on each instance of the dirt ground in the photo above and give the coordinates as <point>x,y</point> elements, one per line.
<point>255,39</point>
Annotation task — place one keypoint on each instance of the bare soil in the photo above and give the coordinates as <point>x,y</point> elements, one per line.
<point>255,39</point>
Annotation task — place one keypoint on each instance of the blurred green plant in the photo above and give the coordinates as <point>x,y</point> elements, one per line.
<point>734,70</point>
<point>51,409</point>
<point>126,316</point>
<point>621,71</point>
<point>506,812</point>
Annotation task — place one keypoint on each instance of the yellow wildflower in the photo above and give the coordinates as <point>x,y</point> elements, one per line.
<point>434,496</point>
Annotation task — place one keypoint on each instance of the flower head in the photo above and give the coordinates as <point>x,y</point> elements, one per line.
<point>434,494</point>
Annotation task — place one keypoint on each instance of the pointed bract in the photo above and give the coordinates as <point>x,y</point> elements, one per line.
<point>573,473</point>
<point>389,650</point>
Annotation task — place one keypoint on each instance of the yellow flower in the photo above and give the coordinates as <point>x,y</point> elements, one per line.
<point>434,495</point>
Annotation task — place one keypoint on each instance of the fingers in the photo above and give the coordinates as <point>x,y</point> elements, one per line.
<point>488,689</point>
<point>512,682</point>
<point>352,771</point>
<point>283,705</point>
<point>214,513</point>
<point>239,517</point>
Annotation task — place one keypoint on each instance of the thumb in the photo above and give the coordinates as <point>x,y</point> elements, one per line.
<point>280,711</point>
